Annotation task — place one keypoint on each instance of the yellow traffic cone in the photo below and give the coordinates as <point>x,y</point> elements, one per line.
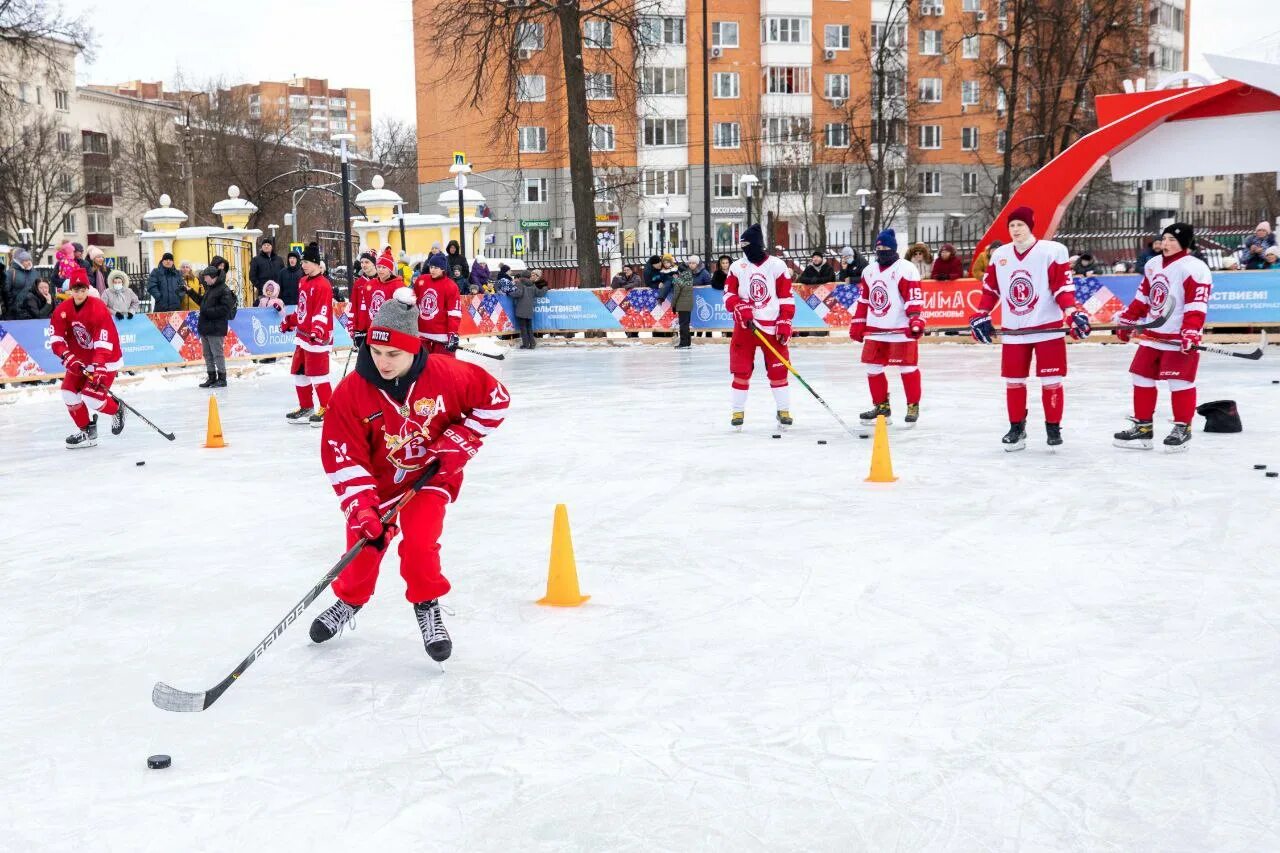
<point>881,464</point>
<point>213,435</point>
<point>562,574</point>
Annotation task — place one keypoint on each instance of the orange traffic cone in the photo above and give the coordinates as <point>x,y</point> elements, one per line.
<point>562,574</point>
<point>881,464</point>
<point>213,435</point>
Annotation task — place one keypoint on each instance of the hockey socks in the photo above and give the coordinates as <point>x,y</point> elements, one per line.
<point>303,387</point>
<point>879,385</point>
<point>911,386</point>
<point>1184,405</point>
<point>1144,402</point>
<point>1052,396</point>
<point>782,397</point>
<point>1016,399</point>
<point>323,391</point>
<point>80,415</point>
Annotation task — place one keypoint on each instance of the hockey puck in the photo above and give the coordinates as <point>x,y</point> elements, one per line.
<point>1259,467</point>
<point>1275,381</point>
<point>822,441</point>
<point>140,463</point>
<point>159,762</point>
<point>777,435</point>
<point>1273,473</point>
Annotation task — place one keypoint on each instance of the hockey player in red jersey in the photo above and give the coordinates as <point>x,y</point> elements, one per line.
<point>757,291</point>
<point>439,308</point>
<point>888,322</point>
<point>312,325</point>
<point>400,409</point>
<point>83,336</point>
<point>1031,280</point>
<point>360,293</point>
<point>376,291</point>
<point>1175,286</point>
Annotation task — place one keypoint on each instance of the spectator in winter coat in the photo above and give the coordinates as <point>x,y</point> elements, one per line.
<point>666,270</point>
<point>289,278</point>
<point>652,275</point>
<point>920,255</point>
<point>165,285</point>
<point>190,285</point>
<point>1085,266</point>
<point>78,256</point>
<point>854,264</point>
<point>680,291</point>
<point>701,275</point>
<point>947,266</point>
<point>722,271</point>
<point>98,271</point>
<point>1152,250</point>
<point>265,266</point>
<point>217,308</point>
<point>817,272</point>
<point>20,280</point>
<point>432,257</point>
<point>982,259</point>
<point>38,303</point>
<point>479,275</point>
<point>626,279</point>
<point>271,297</point>
<point>120,298</point>
<point>1253,252</point>
<point>454,258</point>
<point>525,290</point>
<point>502,282</point>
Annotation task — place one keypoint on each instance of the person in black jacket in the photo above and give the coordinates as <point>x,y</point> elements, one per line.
<point>37,304</point>
<point>722,271</point>
<point>818,272</point>
<point>217,308</point>
<point>458,268</point>
<point>266,266</point>
<point>289,278</point>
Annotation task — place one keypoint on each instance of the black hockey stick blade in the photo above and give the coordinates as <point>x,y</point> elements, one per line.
<point>141,417</point>
<point>168,698</point>
<point>1253,355</point>
<point>498,356</point>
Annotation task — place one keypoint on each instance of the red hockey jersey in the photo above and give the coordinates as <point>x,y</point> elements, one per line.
<point>439,307</point>
<point>358,306</point>
<point>314,318</point>
<point>371,441</point>
<point>372,295</point>
<point>87,332</point>
<point>1176,288</point>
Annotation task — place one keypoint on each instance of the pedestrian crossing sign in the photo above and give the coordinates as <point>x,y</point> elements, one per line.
<point>517,245</point>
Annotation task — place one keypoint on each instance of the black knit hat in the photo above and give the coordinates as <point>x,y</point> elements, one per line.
<point>1183,233</point>
<point>1220,415</point>
<point>311,254</point>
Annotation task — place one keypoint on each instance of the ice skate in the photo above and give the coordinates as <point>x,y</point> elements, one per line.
<point>1016,437</point>
<point>330,623</point>
<point>738,418</point>
<point>1176,441</point>
<point>1053,434</point>
<point>117,421</point>
<point>81,439</point>
<point>913,416</point>
<point>868,417</point>
<point>317,417</point>
<point>299,416</point>
<point>784,418</point>
<point>434,635</point>
<point>1137,437</point>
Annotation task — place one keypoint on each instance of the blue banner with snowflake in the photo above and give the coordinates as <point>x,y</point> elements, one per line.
<point>576,311</point>
<point>709,311</point>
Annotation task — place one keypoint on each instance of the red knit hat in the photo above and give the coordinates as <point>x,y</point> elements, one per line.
<point>385,259</point>
<point>396,323</point>
<point>77,278</point>
<point>1023,214</point>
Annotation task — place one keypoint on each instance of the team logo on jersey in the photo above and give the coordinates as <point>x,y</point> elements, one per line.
<point>1159,292</point>
<point>409,449</point>
<point>758,288</point>
<point>81,334</point>
<point>302,305</point>
<point>428,305</point>
<point>1022,297</point>
<point>879,298</point>
<point>375,302</point>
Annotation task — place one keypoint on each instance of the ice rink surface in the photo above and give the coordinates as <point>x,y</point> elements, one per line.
<point>1036,651</point>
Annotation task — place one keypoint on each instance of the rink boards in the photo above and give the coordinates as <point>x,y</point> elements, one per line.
<point>170,338</point>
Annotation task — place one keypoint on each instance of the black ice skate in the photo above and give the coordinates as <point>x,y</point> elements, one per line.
<point>330,623</point>
<point>738,418</point>
<point>434,635</point>
<point>784,417</point>
<point>117,421</point>
<point>1053,434</point>
<point>1176,441</point>
<point>317,418</point>
<point>1136,437</point>
<point>868,417</point>
<point>1016,437</point>
<point>81,439</point>
<point>299,416</point>
<point>913,415</point>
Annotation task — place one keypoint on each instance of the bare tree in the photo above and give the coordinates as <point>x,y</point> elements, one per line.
<point>395,155</point>
<point>40,182</point>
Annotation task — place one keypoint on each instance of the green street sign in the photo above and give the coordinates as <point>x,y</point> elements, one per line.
<point>535,223</point>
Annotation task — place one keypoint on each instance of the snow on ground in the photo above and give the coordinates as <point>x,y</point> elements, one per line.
<point>1035,651</point>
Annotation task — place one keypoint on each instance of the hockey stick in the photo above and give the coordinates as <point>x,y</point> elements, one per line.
<point>1252,355</point>
<point>800,379</point>
<point>347,366</point>
<point>141,416</point>
<point>1137,327</point>
<point>499,356</point>
<point>168,698</point>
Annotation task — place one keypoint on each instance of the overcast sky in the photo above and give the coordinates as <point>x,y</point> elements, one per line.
<point>250,40</point>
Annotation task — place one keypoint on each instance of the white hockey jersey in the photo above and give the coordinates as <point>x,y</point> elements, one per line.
<point>1176,288</point>
<point>887,298</point>
<point>1033,288</point>
<point>767,288</point>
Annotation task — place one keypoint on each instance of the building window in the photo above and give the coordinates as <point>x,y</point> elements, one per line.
<point>890,85</point>
<point>69,223</point>
<point>99,221</point>
<point>968,139</point>
<point>536,240</point>
<point>64,140</point>
<point>931,90</point>
<point>659,132</point>
<point>836,183</point>
<point>931,42</point>
<point>655,30</point>
<point>533,140</point>
<point>62,100</point>
<point>969,47</point>
<point>784,129</point>
<point>895,180</point>
<point>888,131</point>
<point>728,134</point>
<point>785,31</point>
<point>889,37</point>
<point>601,137</point>
<point>599,87</point>
<point>724,185</point>
<point>1166,15</point>
<point>930,183</point>
<point>724,34</point>
<point>786,179</point>
<point>535,190</point>
<point>597,33</point>
<point>969,92</point>
<point>1002,102</point>
<point>972,6</point>
<point>1002,141</point>
<point>531,87</point>
<point>837,135</point>
<point>1199,201</point>
<point>1002,53</point>
<point>94,143</point>
<point>787,80</point>
<point>1217,199</point>
<point>529,36</point>
<point>66,184</point>
<point>724,84</point>
<point>836,87</point>
<point>970,184</point>
<point>930,136</point>
<point>664,182</point>
<point>662,81</point>
<point>835,36</point>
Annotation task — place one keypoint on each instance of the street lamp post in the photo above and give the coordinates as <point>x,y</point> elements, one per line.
<point>460,172</point>
<point>748,183</point>
<point>662,226</point>
<point>289,221</point>
<point>862,215</point>
<point>342,139</point>
<point>25,235</point>
<point>404,247</point>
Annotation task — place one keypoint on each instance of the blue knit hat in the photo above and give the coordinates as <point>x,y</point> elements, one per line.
<point>887,239</point>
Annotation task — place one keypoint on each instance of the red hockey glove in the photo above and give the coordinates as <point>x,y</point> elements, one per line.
<point>783,331</point>
<point>363,520</point>
<point>454,448</point>
<point>915,326</point>
<point>743,314</point>
<point>70,362</point>
<point>858,330</point>
<point>1191,339</point>
<point>1125,330</point>
<point>288,324</point>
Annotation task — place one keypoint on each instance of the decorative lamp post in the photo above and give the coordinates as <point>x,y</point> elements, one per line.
<point>862,214</point>
<point>25,235</point>
<point>460,171</point>
<point>342,139</point>
<point>662,226</point>
<point>748,183</point>
<point>290,222</point>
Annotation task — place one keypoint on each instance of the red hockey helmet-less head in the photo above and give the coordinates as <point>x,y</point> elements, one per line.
<point>1023,214</point>
<point>396,323</point>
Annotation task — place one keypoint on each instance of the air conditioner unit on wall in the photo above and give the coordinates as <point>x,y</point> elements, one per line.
<point>982,16</point>
<point>828,55</point>
<point>557,233</point>
<point>524,53</point>
<point>717,52</point>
